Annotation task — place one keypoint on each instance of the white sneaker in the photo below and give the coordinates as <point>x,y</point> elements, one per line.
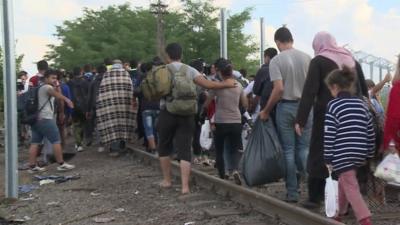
<point>65,167</point>
<point>37,169</point>
<point>100,149</point>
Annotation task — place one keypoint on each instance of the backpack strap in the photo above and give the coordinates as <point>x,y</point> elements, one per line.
<point>47,102</point>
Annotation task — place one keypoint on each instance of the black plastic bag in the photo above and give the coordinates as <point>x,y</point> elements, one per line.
<point>263,161</point>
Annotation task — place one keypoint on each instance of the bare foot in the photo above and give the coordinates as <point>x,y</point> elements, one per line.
<point>165,184</point>
<point>185,191</point>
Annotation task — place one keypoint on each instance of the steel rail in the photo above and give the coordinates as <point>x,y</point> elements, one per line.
<point>267,205</point>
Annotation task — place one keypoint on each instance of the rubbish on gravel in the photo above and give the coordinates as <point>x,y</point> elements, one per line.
<point>190,223</point>
<point>120,210</point>
<point>23,220</point>
<point>27,188</point>
<point>103,220</point>
<point>137,192</point>
<point>30,198</point>
<point>95,194</point>
<point>45,182</point>
<point>53,203</point>
<point>57,179</point>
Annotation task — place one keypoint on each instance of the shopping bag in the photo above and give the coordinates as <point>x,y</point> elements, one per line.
<point>263,161</point>
<point>331,197</point>
<point>205,136</point>
<point>389,168</point>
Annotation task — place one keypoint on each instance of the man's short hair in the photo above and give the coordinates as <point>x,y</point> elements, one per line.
<point>22,73</point>
<point>42,65</point>
<point>270,52</point>
<point>283,35</point>
<point>87,68</point>
<point>133,63</point>
<point>101,69</point>
<point>77,71</point>
<point>174,51</point>
<point>198,64</point>
<point>107,61</point>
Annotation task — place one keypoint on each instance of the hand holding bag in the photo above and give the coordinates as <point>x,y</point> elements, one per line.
<point>331,197</point>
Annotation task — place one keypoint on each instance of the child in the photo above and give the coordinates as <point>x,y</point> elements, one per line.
<point>392,123</point>
<point>348,141</point>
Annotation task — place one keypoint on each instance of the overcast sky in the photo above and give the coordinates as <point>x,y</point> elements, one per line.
<point>369,25</point>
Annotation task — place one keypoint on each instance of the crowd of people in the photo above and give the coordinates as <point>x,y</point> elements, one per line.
<point>329,119</point>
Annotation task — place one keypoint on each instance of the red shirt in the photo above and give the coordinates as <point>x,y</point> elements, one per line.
<point>34,81</point>
<point>392,123</point>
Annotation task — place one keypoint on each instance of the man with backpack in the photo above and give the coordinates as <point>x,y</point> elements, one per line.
<point>40,111</point>
<point>262,82</point>
<point>176,119</point>
<point>79,89</point>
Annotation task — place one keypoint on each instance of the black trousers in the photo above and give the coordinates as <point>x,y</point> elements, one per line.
<point>231,132</point>
<point>316,189</point>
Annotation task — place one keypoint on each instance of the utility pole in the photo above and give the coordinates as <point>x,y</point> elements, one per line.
<point>10,97</point>
<point>223,34</point>
<point>262,40</point>
<point>160,9</point>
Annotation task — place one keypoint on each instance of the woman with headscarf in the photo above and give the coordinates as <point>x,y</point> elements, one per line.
<point>114,108</point>
<point>328,57</point>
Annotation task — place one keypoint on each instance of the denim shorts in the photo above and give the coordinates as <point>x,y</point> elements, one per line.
<point>149,122</point>
<point>45,128</point>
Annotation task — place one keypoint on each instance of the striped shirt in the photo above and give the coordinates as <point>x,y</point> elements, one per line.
<point>349,137</point>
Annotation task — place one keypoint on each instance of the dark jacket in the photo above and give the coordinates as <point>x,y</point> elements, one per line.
<point>94,93</point>
<point>316,95</point>
<point>79,87</point>
<point>263,85</point>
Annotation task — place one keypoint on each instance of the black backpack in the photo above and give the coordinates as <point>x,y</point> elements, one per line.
<point>30,103</point>
<point>79,97</point>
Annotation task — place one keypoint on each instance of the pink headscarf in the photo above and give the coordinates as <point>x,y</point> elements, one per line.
<point>324,44</point>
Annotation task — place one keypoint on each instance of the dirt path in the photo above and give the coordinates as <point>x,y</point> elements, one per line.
<point>124,189</point>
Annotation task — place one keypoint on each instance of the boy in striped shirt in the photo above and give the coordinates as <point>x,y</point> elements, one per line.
<point>349,140</point>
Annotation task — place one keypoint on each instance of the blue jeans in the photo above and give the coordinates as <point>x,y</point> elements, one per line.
<point>295,147</point>
<point>149,122</point>
<point>45,128</point>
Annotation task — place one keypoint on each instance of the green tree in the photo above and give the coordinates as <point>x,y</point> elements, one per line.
<point>113,32</point>
<point>18,66</point>
<point>125,32</point>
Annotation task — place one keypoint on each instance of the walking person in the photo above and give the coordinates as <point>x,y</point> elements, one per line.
<point>149,111</point>
<point>288,72</point>
<point>79,89</point>
<point>228,121</point>
<point>180,127</point>
<point>316,95</point>
<point>349,140</point>
<point>262,82</point>
<point>91,106</point>
<point>114,108</point>
<point>392,123</point>
<point>46,126</point>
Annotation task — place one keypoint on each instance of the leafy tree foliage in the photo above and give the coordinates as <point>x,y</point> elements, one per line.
<point>18,67</point>
<point>124,32</point>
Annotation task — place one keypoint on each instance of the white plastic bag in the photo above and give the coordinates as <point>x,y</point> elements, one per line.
<point>389,169</point>
<point>331,197</point>
<point>205,136</point>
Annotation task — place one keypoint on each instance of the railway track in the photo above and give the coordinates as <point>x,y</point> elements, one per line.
<point>280,211</point>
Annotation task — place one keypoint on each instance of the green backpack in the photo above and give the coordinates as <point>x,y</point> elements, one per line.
<point>183,98</point>
<point>157,83</point>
